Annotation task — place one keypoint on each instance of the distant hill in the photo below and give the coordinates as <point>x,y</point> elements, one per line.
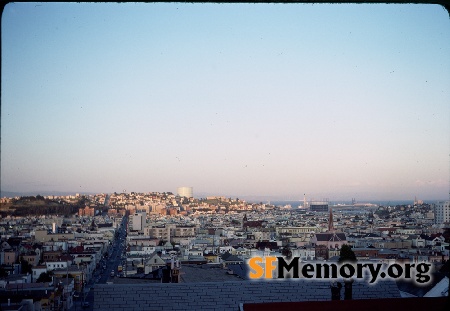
<point>38,205</point>
<point>10,194</point>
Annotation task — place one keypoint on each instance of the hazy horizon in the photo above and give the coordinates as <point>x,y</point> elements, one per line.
<point>337,101</point>
<point>250,198</point>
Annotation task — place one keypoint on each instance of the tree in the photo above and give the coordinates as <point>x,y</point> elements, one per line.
<point>346,254</point>
<point>25,266</point>
<point>3,273</point>
<point>286,251</point>
<point>44,277</point>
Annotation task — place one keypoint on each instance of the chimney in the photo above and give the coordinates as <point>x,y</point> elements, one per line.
<point>336,290</point>
<point>348,289</point>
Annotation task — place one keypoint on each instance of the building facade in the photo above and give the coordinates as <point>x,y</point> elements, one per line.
<point>442,212</point>
<point>318,206</point>
<point>185,192</point>
<point>139,221</point>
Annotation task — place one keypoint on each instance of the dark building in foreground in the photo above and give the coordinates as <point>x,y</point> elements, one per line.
<point>231,295</point>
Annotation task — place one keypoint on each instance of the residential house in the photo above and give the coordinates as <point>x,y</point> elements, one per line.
<point>153,263</point>
<point>37,271</point>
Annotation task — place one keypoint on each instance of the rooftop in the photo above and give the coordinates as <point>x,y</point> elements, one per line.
<point>205,273</point>
<point>226,295</point>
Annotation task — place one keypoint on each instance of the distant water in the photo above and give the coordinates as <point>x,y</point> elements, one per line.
<point>296,204</point>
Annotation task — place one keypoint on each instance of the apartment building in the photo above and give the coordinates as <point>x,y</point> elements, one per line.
<point>442,212</point>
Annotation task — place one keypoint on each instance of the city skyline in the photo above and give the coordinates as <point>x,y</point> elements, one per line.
<point>271,100</point>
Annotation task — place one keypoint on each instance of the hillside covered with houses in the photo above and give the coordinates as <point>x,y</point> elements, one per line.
<point>51,254</point>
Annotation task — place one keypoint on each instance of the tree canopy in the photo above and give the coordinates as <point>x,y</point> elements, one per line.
<point>346,254</point>
<point>44,277</point>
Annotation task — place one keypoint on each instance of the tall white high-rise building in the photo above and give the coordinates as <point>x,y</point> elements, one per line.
<point>185,192</point>
<point>442,212</point>
<point>139,221</point>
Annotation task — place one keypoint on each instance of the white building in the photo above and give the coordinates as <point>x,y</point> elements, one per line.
<point>139,220</point>
<point>185,192</point>
<point>52,265</point>
<point>305,253</point>
<point>442,212</point>
<point>37,271</point>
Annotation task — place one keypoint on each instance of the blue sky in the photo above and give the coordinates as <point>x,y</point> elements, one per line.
<point>336,101</point>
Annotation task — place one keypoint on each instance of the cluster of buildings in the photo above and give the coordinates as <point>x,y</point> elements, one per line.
<point>46,260</point>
